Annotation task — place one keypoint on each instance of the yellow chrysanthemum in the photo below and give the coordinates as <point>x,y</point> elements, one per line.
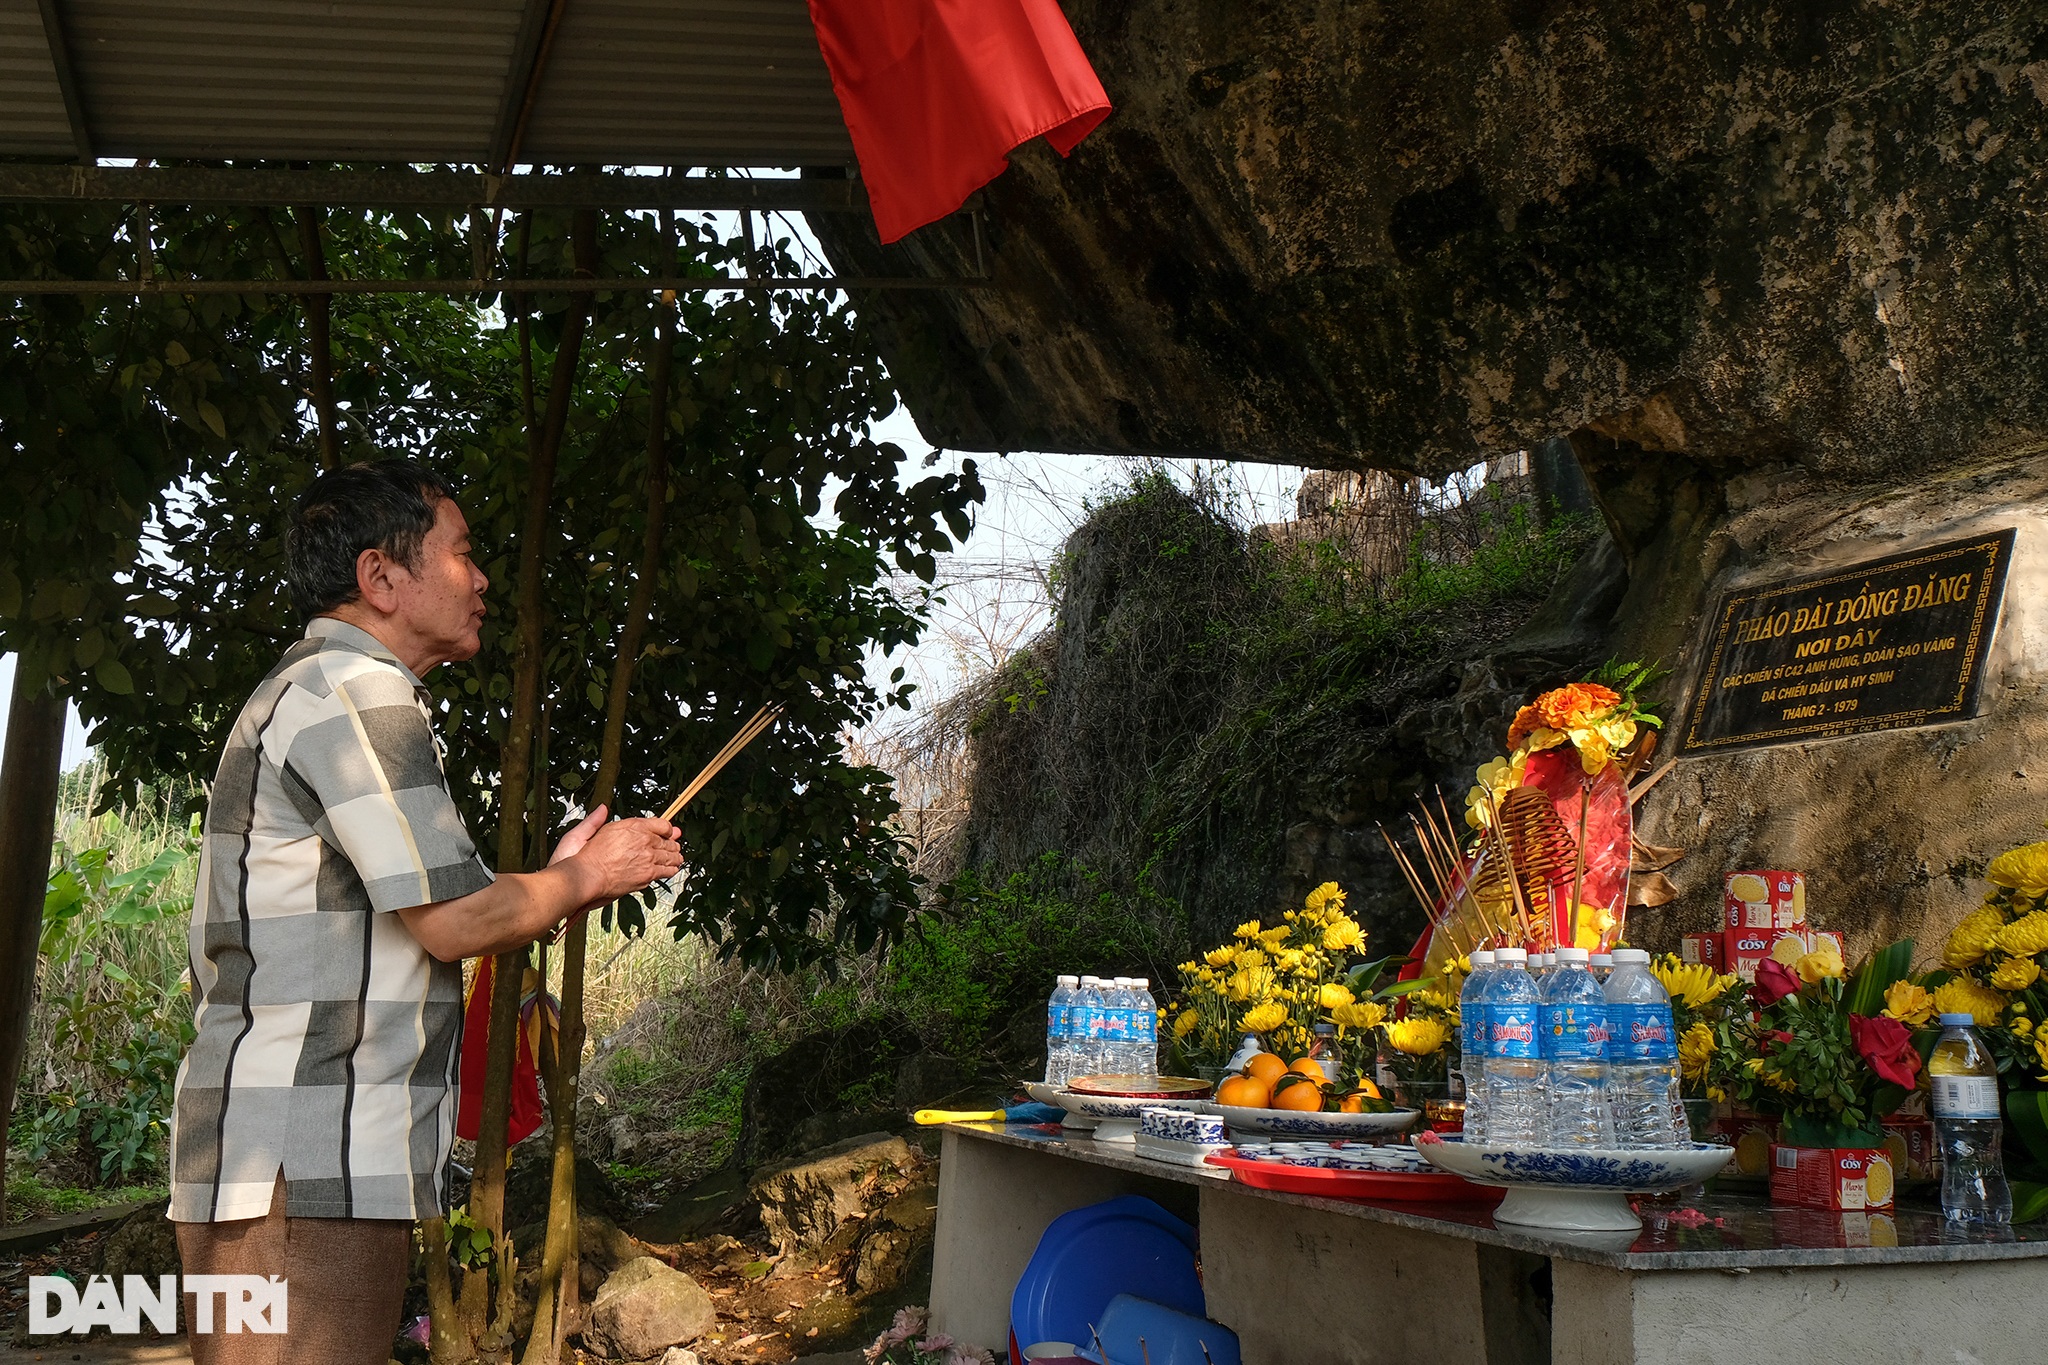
<point>1692,984</point>
<point>1974,937</point>
<point>1250,929</point>
<point>2016,974</point>
<point>1220,957</point>
<point>1274,937</point>
<point>1328,896</point>
<point>1434,1000</point>
<point>2025,936</point>
<point>2024,869</point>
<point>1908,1003</point>
<point>1265,1018</point>
<point>1334,996</point>
<point>1695,1050</point>
<point>2041,1050</point>
<point>1964,996</point>
<point>1185,1024</point>
<point>1364,1014</point>
<point>1416,1037</point>
<point>1823,962</point>
<point>1343,935</point>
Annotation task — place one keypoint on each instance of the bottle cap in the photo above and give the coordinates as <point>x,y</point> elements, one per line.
<point>1070,981</point>
<point>1511,957</point>
<point>1143,983</point>
<point>1958,1020</point>
<point>1091,981</point>
<point>1602,959</point>
<point>1326,1030</point>
<point>1482,957</point>
<point>1577,955</point>
<point>1637,956</point>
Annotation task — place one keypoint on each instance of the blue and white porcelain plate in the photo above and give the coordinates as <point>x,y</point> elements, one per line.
<point>1628,1170</point>
<point>1293,1123</point>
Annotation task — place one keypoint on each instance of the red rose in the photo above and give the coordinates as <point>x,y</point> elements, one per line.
<point>1888,1046</point>
<point>1774,981</point>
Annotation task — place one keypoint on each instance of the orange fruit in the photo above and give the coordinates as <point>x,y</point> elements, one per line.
<point>1244,1092</point>
<point>1352,1104</point>
<point>1309,1067</point>
<point>1303,1095</point>
<point>1369,1088</point>
<point>1266,1067</point>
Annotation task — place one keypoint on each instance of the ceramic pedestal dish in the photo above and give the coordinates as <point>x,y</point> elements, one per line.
<point>1116,1117</point>
<point>1580,1188</point>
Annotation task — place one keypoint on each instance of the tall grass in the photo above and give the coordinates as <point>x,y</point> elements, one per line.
<point>113,1012</point>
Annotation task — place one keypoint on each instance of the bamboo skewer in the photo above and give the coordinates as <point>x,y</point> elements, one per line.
<point>1579,866</point>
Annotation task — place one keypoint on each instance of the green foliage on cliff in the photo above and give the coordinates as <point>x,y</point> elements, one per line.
<point>1210,683</point>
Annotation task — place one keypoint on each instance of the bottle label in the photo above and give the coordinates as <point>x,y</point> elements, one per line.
<point>1091,1021</point>
<point>1641,1032</point>
<point>1575,1031</point>
<point>1965,1097</point>
<point>1146,1026</point>
<point>1055,1021</point>
<point>1472,1042</point>
<point>1116,1023</point>
<point>1511,1031</point>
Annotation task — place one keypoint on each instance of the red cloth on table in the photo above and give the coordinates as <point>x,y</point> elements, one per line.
<point>937,93</point>
<point>525,1118</point>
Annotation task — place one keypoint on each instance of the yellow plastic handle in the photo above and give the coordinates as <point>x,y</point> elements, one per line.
<point>928,1117</point>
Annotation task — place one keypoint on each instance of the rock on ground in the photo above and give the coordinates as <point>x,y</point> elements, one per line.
<point>645,1307</point>
<point>894,1236</point>
<point>805,1202</point>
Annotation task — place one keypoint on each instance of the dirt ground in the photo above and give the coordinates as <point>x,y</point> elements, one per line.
<point>768,1313</point>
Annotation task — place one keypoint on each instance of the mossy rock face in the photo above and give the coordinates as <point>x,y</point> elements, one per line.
<point>1402,235</point>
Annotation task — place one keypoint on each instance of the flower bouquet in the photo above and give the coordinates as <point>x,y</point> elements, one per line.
<point>1829,1053</point>
<point>1544,859</point>
<point>910,1342</point>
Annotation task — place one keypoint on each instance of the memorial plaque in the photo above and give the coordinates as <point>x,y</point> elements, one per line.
<point>1892,643</point>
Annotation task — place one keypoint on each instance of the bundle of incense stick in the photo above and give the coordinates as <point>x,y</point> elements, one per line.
<point>749,732</point>
<point>763,718</point>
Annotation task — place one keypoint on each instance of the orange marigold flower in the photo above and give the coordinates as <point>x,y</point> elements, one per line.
<point>1527,722</point>
<point>1574,704</point>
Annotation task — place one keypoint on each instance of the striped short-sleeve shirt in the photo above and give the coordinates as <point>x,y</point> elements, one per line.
<point>326,1035</point>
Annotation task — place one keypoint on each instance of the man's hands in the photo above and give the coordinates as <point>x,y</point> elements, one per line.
<point>596,862</point>
<point>621,857</point>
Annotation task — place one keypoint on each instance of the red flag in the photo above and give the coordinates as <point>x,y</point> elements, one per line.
<point>525,1117</point>
<point>937,93</point>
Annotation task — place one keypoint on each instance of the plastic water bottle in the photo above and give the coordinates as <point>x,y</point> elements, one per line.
<point>1472,1042</point>
<point>1144,1028</point>
<point>1059,1030</point>
<point>1966,1125</point>
<point>1088,1032</point>
<point>1602,966</point>
<point>1642,1056</point>
<point>1117,1026</point>
<point>1575,1053</point>
<point>1515,1108</point>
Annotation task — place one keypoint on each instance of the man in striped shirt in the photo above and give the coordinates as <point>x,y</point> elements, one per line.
<point>338,893</point>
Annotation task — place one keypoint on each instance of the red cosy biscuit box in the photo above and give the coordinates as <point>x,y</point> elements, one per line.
<point>1746,949</point>
<point>1754,903</point>
<point>1705,949</point>
<point>1841,1179</point>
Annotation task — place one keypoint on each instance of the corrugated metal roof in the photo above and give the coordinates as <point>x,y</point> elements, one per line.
<point>688,82</point>
<point>31,109</point>
<point>660,82</point>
